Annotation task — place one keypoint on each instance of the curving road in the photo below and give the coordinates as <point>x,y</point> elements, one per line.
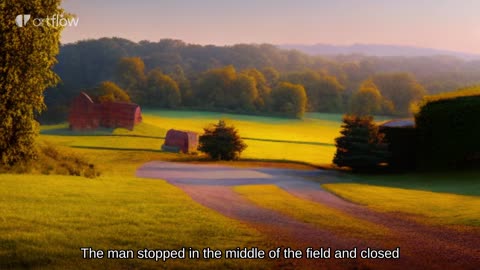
<point>423,246</point>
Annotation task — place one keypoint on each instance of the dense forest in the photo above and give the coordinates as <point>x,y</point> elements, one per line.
<point>254,79</point>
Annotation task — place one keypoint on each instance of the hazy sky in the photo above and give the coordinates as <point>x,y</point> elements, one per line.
<point>443,24</point>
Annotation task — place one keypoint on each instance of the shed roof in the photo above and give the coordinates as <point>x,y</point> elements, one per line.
<point>399,123</point>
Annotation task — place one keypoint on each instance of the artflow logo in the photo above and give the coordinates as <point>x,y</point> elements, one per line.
<point>22,20</point>
<point>57,20</point>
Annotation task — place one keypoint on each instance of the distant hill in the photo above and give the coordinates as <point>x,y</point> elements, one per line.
<point>376,50</point>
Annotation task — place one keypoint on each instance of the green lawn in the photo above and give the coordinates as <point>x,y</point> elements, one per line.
<point>430,207</point>
<point>46,219</point>
<point>308,140</point>
<point>462,183</point>
<point>276,199</point>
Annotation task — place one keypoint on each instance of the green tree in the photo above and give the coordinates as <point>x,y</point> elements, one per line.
<point>162,91</point>
<point>367,100</point>
<point>289,99</point>
<point>272,76</point>
<point>108,91</point>
<point>243,93</point>
<point>361,145</point>
<point>130,74</point>
<point>184,85</point>
<point>262,88</point>
<point>324,92</point>
<point>401,89</point>
<point>213,85</point>
<point>221,142</point>
<point>27,55</point>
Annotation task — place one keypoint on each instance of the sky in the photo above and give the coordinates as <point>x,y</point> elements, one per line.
<point>441,24</point>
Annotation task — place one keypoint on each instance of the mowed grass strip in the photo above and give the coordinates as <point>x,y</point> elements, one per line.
<point>45,220</point>
<point>274,198</point>
<point>432,207</point>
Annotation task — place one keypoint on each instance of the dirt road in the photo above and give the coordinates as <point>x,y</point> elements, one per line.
<point>422,246</point>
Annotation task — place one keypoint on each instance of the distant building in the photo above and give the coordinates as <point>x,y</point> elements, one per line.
<point>181,141</point>
<point>88,115</point>
<point>401,137</point>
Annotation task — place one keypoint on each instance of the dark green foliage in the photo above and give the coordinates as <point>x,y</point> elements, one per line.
<point>449,132</point>
<point>402,147</point>
<point>109,92</point>
<point>361,146</point>
<point>221,142</point>
<point>85,64</point>
<point>130,75</point>
<point>323,91</point>
<point>54,160</point>
<point>161,91</point>
<point>289,99</point>
<point>367,100</point>
<point>27,55</point>
<point>401,90</point>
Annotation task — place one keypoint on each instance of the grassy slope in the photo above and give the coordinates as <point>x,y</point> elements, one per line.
<point>310,140</point>
<point>156,124</point>
<point>439,208</point>
<point>315,134</point>
<point>46,219</point>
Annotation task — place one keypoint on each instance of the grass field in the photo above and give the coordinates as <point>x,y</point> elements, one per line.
<point>431,207</point>
<point>309,140</point>
<point>45,220</point>
<point>274,198</point>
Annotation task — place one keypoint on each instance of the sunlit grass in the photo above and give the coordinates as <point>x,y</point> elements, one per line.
<point>432,207</point>
<point>274,198</point>
<point>309,140</point>
<point>45,221</point>
<point>323,128</point>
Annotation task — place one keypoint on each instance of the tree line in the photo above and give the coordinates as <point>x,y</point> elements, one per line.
<point>243,78</point>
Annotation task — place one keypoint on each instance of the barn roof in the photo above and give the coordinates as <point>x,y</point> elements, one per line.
<point>182,131</point>
<point>86,96</point>
<point>399,123</point>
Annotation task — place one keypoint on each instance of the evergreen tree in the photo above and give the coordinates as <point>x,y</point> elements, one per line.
<point>361,145</point>
<point>221,142</point>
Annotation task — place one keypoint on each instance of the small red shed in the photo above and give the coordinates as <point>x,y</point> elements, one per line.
<point>181,141</point>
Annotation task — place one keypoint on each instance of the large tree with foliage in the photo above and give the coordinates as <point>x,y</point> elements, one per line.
<point>289,99</point>
<point>324,92</point>
<point>161,91</point>
<point>221,142</point>
<point>367,100</point>
<point>27,55</point>
<point>361,146</point>
<point>401,89</point>
<point>130,74</point>
<point>109,92</point>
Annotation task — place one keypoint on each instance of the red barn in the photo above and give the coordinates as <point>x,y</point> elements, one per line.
<point>184,141</point>
<point>88,115</point>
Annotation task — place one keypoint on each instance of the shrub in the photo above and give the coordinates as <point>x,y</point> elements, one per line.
<point>221,142</point>
<point>54,160</point>
<point>361,146</point>
<point>448,127</point>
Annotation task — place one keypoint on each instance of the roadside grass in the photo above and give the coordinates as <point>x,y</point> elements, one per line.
<point>276,199</point>
<point>426,206</point>
<point>462,183</point>
<point>46,219</point>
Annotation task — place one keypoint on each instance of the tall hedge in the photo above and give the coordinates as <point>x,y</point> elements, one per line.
<point>449,132</point>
